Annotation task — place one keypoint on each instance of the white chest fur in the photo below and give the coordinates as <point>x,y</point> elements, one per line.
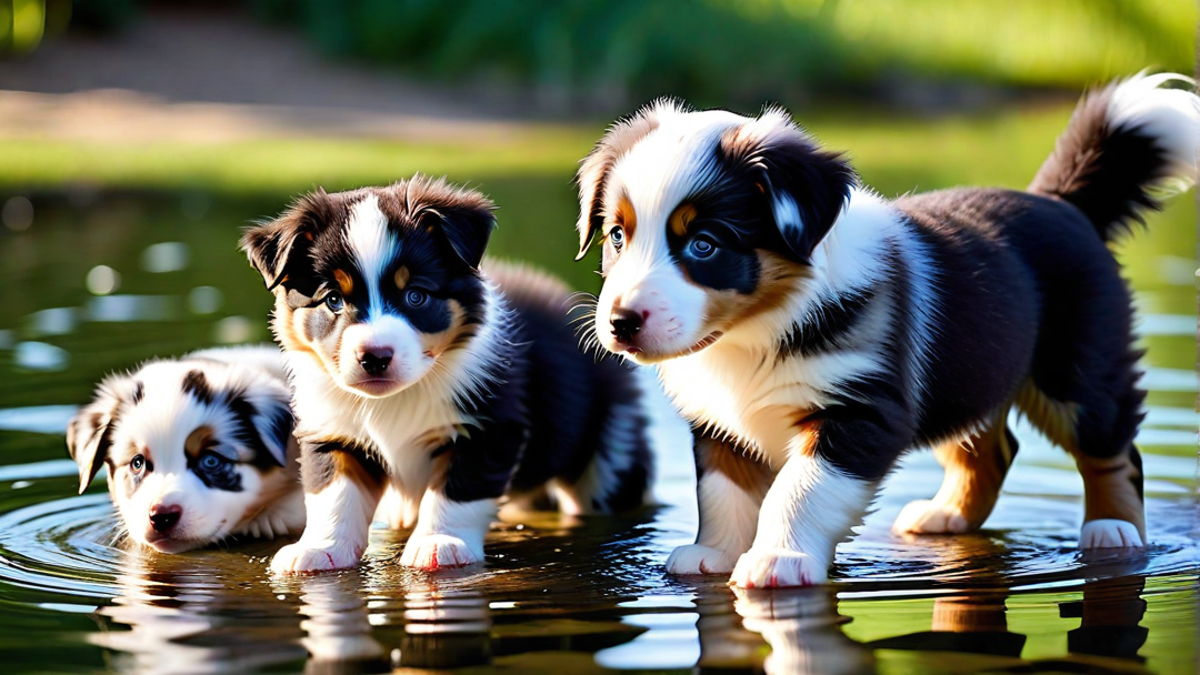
<point>405,428</point>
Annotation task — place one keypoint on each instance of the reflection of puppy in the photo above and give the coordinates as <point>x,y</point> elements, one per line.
<point>197,448</point>
<point>418,373</point>
<point>815,331</point>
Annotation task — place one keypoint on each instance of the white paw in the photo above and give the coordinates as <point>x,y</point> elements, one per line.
<point>302,558</point>
<point>777,568</point>
<point>438,551</point>
<point>1109,533</point>
<point>700,559</point>
<point>924,516</point>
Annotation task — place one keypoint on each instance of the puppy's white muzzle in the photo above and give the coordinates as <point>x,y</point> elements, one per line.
<point>381,357</point>
<point>650,318</point>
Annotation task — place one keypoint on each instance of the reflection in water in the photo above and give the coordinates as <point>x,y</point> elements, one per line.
<point>804,631</point>
<point>443,628</point>
<point>183,619</point>
<point>337,630</point>
<point>1111,612</point>
<point>554,596</point>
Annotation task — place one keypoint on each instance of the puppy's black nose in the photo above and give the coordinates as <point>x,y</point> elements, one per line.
<point>375,361</point>
<point>625,324</point>
<point>163,518</point>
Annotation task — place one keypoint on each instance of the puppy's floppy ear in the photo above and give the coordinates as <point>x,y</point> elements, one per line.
<point>468,222</point>
<point>89,433</point>
<point>806,187</point>
<point>275,246</point>
<point>594,171</point>
<point>266,413</point>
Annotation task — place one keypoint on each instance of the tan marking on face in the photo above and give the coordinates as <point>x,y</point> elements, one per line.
<point>312,330</point>
<point>199,440</point>
<point>681,217</point>
<point>344,282</point>
<point>436,344</point>
<point>625,217</point>
<point>402,277</point>
<point>778,280</point>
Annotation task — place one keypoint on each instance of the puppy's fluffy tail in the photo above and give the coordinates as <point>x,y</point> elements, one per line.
<point>1126,147</point>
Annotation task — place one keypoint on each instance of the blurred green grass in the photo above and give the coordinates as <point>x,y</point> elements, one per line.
<point>588,51</point>
<point>529,172</point>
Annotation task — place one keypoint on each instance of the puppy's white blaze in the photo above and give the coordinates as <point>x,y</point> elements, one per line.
<point>811,507</point>
<point>373,245</point>
<point>1171,116</point>
<point>442,518</point>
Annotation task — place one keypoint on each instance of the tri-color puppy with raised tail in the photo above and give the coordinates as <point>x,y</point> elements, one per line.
<point>813,331</point>
<point>198,448</point>
<point>418,374</point>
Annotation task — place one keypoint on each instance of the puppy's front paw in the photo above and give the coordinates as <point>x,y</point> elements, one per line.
<point>438,551</point>
<point>925,516</point>
<point>700,559</point>
<point>1109,533</point>
<point>777,568</point>
<point>302,558</point>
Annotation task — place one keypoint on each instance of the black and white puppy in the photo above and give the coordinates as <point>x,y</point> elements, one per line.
<point>814,331</point>
<point>197,448</point>
<point>418,374</point>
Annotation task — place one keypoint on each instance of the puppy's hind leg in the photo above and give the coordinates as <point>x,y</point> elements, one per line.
<point>1114,512</point>
<point>342,487</point>
<point>1098,433</point>
<point>730,487</point>
<point>975,471</point>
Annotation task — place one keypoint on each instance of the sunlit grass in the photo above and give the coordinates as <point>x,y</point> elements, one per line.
<point>1033,42</point>
<point>893,155</point>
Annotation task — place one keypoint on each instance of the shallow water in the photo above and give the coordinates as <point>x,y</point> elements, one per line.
<point>584,596</point>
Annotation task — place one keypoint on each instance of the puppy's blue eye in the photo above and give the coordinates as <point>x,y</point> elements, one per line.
<point>702,247</point>
<point>211,461</point>
<point>334,301</point>
<point>617,237</point>
<point>137,463</point>
<point>415,297</point>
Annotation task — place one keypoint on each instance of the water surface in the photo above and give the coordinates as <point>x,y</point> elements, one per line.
<point>97,282</point>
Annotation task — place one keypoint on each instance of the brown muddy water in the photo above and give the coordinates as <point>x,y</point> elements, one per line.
<point>94,283</point>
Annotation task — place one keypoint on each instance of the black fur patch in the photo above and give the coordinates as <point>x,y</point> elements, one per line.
<point>139,390</point>
<point>196,384</point>
<point>216,471</point>
<point>247,433</point>
<point>790,165</point>
<point>1105,172</point>
<point>828,323</point>
<point>1135,458</point>
<point>318,467</point>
